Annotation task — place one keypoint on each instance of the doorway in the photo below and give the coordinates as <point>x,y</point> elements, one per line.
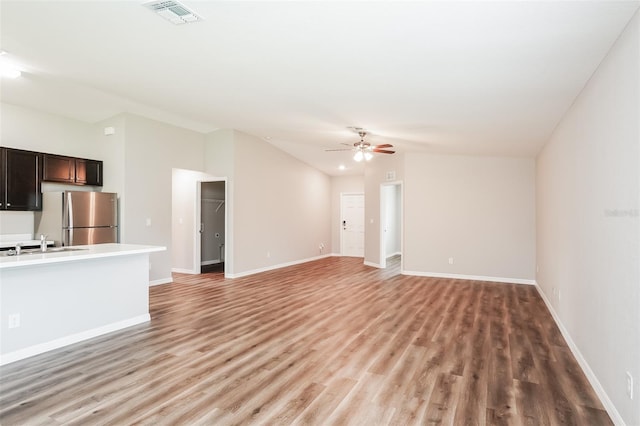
<point>212,228</point>
<point>390,222</point>
<point>352,224</point>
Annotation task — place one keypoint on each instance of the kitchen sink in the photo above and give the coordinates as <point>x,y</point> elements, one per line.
<point>38,251</point>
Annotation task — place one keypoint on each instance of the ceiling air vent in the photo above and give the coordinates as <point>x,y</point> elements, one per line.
<point>173,11</point>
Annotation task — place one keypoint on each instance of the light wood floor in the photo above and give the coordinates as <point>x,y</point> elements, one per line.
<point>327,342</point>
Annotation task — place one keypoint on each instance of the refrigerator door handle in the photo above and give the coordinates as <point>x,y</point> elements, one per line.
<point>69,210</point>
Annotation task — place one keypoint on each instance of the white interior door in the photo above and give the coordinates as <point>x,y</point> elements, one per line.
<point>352,225</point>
<point>391,221</point>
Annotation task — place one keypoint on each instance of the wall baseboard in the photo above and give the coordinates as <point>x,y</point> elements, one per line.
<point>210,262</point>
<point>273,267</point>
<point>593,379</point>
<point>375,265</point>
<point>470,277</point>
<point>162,281</point>
<point>71,339</point>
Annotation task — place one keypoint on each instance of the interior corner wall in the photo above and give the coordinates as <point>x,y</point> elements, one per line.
<point>340,185</point>
<point>480,211</point>
<point>111,152</point>
<point>152,150</point>
<point>281,207</point>
<point>588,224</point>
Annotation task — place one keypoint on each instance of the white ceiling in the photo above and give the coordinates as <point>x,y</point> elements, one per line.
<point>478,78</point>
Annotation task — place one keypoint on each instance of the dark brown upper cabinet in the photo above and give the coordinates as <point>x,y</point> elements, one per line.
<point>89,172</point>
<point>20,176</point>
<point>79,171</point>
<point>59,169</point>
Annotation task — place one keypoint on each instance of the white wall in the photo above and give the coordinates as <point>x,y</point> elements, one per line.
<point>339,185</point>
<point>111,150</point>
<point>26,128</point>
<point>219,155</point>
<point>588,235</point>
<point>375,173</point>
<point>32,130</point>
<point>478,210</point>
<point>152,150</point>
<point>12,223</point>
<point>391,195</point>
<point>183,220</point>
<point>281,206</point>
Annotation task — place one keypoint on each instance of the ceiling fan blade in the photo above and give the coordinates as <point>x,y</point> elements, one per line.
<point>341,149</point>
<point>384,145</point>
<point>383,151</point>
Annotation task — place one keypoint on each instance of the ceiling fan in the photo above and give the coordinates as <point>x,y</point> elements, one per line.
<point>364,150</point>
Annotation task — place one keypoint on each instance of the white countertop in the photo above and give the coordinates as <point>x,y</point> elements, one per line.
<point>94,251</point>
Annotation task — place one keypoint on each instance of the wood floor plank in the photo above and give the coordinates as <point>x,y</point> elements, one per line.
<point>326,342</point>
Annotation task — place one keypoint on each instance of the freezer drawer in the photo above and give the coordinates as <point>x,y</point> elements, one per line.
<point>83,236</point>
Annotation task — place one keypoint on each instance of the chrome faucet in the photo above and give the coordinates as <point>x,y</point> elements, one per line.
<point>18,248</point>
<point>43,242</point>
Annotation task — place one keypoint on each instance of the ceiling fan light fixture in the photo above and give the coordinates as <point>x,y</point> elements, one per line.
<point>364,150</point>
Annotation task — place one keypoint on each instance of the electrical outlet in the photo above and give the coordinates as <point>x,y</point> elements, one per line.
<point>629,385</point>
<point>451,261</point>
<point>268,254</point>
<point>14,321</point>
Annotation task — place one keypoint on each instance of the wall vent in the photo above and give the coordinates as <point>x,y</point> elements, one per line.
<point>173,11</point>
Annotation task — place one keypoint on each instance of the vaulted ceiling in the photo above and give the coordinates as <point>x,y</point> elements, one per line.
<point>477,78</point>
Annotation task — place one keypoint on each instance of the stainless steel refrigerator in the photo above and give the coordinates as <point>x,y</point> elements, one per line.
<point>78,217</point>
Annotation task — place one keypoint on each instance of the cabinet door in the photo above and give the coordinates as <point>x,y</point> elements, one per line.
<point>22,180</point>
<point>93,172</point>
<point>81,171</point>
<point>59,169</point>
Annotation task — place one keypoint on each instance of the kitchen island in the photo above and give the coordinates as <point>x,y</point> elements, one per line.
<point>63,296</point>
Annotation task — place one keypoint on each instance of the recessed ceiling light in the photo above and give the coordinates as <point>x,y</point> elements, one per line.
<point>7,68</point>
<point>342,167</point>
<point>173,11</point>
<point>268,138</point>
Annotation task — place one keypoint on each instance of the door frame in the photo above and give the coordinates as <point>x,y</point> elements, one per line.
<point>340,219</point>
<point>197,240</point>
<point>383,204</point>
